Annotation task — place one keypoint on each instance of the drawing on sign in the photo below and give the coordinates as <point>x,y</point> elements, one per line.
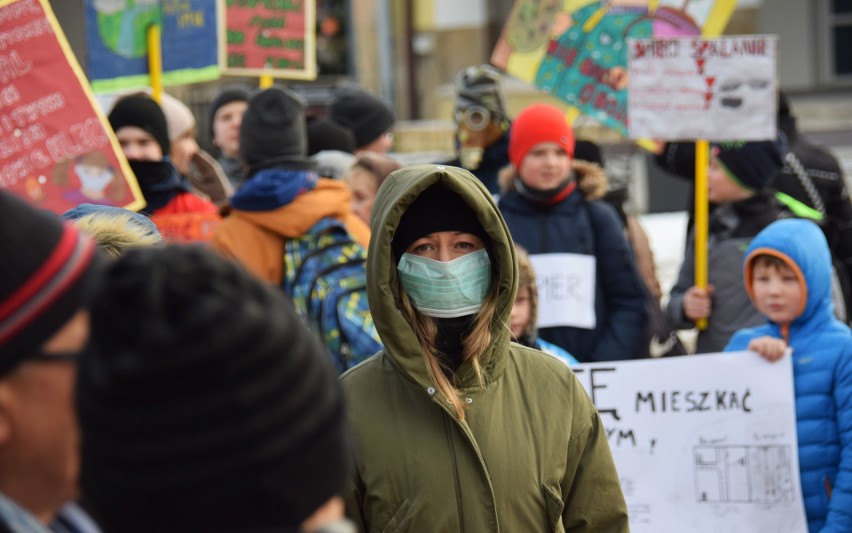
<point>577,51</point>
<point>716,89</point>
<point>117,41</point>
<point>702,444</point>
<point>743,474</point>
<point>56,148</point>
<point>122,25</point>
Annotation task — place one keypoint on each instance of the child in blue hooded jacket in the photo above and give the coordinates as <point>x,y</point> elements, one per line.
<point>788,277</point>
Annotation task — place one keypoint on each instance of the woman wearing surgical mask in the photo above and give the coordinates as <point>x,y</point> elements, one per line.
<point>454,427</point>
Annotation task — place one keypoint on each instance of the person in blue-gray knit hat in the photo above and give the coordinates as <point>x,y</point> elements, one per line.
<point>739,182</point>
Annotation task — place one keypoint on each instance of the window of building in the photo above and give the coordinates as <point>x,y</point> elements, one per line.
<point>840,23</point>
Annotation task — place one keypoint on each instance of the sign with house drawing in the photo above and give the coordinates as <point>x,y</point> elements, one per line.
<point>702,443</point>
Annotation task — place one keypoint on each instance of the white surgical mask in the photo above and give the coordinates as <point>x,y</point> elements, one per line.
<point>446,290</point>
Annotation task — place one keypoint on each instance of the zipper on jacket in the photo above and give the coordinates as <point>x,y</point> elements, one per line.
<point>448,431</point>
<point>542,232</point>
<point>828,488</point>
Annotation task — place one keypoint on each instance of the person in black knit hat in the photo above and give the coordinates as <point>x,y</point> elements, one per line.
<point>224,117</point>
<point>284,205</point>
<point>46,271</point>
<point>141,129</point>
<point>188,426</point>
<point>369,119</point>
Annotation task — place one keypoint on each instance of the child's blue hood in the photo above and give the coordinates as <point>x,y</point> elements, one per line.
<point>802,245</point>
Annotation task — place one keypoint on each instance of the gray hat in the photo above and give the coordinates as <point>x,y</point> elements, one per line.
<point>480,85</point>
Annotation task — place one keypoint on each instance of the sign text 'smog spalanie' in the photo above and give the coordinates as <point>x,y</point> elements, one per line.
<point>117,42</point>
<point>268,38</point>
<point>702,444</point>
<point>712,89</point>
<point>55,147</point>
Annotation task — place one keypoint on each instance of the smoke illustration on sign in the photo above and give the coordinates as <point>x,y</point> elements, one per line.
<point>743,474</point>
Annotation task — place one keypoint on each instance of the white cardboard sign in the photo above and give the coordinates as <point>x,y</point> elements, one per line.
<point>566,290</point>
<point>702,443</point>
<point>710,89</point>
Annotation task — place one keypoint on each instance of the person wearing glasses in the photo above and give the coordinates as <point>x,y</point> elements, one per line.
<point>45,275</point>
<point>482,125</point>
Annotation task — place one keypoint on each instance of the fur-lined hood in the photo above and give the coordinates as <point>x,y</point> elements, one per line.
<point>591,179</point>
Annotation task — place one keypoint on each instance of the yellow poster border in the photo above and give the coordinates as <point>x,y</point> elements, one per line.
<point>138,200</point>
<point>308,73</point>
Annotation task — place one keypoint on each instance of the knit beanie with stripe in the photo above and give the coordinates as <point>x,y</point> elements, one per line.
<point>45,272</point>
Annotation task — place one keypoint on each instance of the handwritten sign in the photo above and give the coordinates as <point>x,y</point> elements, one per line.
<point>117,46</point>
<point>712,89</point>
<point>566,290</point>
<point>55,146</point>
<point>702,443</point>
<point>274,38</point>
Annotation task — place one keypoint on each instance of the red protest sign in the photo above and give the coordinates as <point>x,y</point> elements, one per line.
<point>56,148</point>
<point>268,38</point>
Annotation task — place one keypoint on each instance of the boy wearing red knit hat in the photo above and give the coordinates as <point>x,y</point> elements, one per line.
<point>591,300</point>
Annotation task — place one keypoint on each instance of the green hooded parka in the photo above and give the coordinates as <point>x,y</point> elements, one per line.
<point>531,453</point>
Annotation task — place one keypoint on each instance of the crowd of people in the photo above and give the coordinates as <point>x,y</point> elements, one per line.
<point>306,335</point>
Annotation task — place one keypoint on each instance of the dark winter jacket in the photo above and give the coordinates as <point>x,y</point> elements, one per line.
<point>732,226</point>
<point>577,225</point>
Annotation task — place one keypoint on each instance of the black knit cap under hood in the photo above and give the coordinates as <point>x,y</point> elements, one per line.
<point>191,426</point>
<point>436,209</point>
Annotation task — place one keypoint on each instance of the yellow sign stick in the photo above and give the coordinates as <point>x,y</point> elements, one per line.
<point>702,154</point>
<point>155,62</point>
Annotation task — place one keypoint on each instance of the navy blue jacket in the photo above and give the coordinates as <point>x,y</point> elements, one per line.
<point>575,225</point>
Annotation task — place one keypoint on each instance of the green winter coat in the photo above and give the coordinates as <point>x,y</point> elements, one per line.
<point>531,454</point>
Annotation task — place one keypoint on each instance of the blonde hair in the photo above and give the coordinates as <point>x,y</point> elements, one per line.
<point>474,344</point>
<point>527,280</point>
<point>116,233</point>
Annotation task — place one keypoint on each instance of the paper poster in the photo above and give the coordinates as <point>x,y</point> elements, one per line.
<point>702,443</point>
<point>566,290</point>
<point>117,46</point>
<point>710,89</point>
<point>577,50</point>
<point>274,38</point>
<point>56,148</point>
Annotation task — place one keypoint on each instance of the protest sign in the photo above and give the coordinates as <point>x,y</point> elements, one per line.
<point>577,50</point>
<point>268,39</point>
<point>56,148</point>
<point>566,290</point>
<point>117,48</point>
<point>714,89</point>
<point>702,443</point>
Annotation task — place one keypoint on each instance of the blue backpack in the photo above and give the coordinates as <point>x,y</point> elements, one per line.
<point>325,275</point>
